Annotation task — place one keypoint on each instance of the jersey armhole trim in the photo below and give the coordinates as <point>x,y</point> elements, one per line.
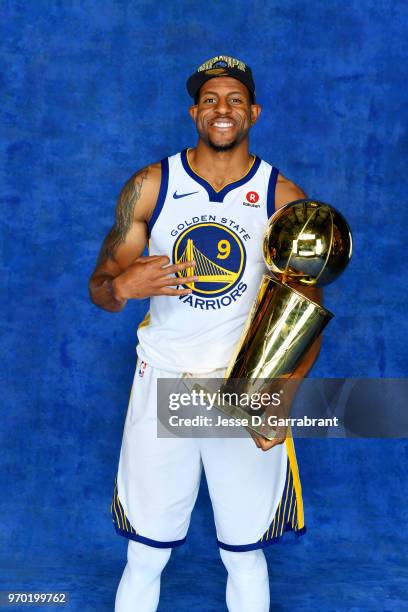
<point>270,198</point>
<point>162,194</point>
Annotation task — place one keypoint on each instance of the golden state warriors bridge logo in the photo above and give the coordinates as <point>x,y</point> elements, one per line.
<point>219,257</point>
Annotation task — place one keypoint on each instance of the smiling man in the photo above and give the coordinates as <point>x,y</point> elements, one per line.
<point>203,213</point>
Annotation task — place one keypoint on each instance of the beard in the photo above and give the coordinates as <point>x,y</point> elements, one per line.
<point>228,146</point>
<point>222,147</point>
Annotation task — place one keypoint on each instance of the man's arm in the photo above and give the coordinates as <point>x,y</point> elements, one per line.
<point>121,273</point>
<point>287,191</point>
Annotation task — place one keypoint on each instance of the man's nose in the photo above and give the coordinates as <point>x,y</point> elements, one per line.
<point>223,106</point>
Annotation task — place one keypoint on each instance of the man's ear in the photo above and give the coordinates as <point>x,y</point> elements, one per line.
<point>255,112</point>
<point>193,112</point>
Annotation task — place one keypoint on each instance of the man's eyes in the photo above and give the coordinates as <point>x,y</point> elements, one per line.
<point>212,100</point>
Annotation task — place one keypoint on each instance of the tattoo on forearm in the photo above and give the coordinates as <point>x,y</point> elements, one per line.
<point>125,209</point>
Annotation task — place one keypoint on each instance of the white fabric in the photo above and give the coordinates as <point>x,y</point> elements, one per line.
<point>198,333</point>
<point>139,587</point>
<point>158,478</point>
<point>248,583</point>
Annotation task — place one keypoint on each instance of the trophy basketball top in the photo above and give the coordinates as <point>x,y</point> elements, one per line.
<point>307,242</point>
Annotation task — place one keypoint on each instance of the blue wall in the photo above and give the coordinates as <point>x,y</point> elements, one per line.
<point>92,91</point>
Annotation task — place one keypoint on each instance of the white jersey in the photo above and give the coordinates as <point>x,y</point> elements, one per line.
<point>223,232</point>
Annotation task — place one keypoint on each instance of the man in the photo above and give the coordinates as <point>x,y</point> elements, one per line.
<point>203,213</point>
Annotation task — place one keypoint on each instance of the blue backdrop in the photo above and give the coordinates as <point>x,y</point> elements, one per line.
<point>95,89</point>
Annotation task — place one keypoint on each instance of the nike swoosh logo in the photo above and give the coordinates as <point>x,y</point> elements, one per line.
<point>176,195</point>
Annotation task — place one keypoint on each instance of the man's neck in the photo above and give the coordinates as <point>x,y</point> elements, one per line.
<point>220,167</point>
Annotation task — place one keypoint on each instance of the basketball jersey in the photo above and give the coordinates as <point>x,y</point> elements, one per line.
<point>222,231</point>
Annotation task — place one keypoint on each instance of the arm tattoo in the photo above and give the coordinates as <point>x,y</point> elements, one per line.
<point>125,209</point>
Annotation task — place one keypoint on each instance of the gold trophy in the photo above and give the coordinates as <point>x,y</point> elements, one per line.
<point>307,243</point>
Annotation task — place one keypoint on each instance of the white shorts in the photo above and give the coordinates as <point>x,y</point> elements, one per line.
<point>256,495</point>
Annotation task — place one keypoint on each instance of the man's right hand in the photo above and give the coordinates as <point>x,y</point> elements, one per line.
<point>121,273</point>
<point>152,275</point>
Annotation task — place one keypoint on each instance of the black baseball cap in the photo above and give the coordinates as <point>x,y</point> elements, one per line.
<point>221,65</point>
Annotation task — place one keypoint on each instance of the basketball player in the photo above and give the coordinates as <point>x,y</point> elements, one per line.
<point>203,213</point>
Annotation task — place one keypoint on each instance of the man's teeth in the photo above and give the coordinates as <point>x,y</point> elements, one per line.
<point>223,124</point>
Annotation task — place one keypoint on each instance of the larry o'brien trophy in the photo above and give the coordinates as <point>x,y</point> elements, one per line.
<point>307,243</point>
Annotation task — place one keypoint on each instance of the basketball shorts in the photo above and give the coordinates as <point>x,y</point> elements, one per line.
<point>256,495</point>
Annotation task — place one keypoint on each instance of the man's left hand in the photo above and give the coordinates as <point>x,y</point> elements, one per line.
<point>265,444</point>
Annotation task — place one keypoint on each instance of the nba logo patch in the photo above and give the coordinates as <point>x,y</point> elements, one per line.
<point>143,366</point>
